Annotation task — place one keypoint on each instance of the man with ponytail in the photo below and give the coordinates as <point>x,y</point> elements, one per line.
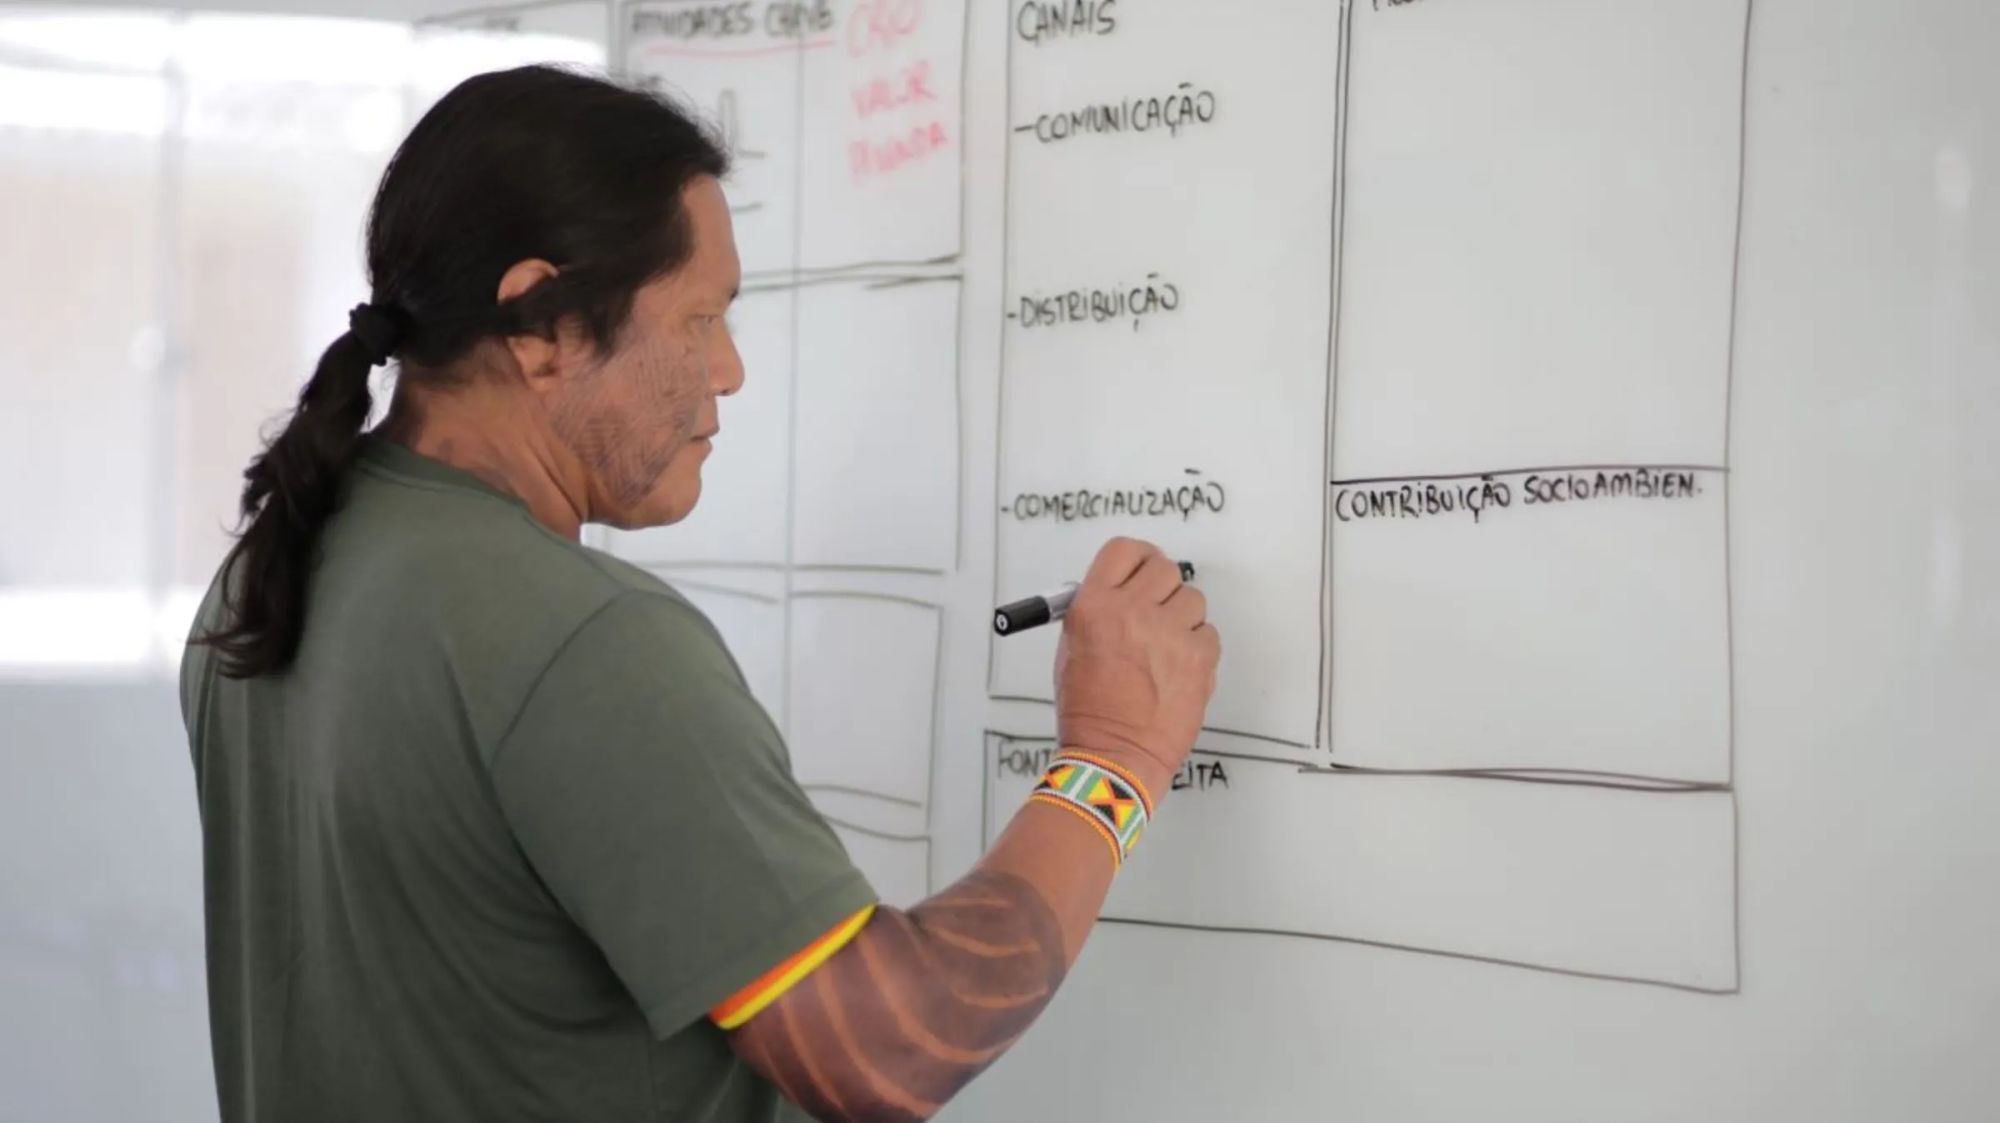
<point>493,829</point>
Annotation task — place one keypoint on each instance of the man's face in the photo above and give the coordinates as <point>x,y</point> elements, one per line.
<point>642,418</point>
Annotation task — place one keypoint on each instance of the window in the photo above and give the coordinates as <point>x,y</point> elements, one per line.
<point>182,203</point>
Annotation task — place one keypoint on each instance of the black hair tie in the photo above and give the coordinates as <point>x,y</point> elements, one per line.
<point>378,328</point>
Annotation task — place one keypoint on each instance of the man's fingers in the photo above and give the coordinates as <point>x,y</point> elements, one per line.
<point>1157,578</point>
<point>1211,641</point>
<point>1117,562</point>
<point>1187,607</point>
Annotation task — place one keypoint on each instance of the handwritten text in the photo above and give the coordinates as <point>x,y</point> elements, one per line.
<point>1183,108</point>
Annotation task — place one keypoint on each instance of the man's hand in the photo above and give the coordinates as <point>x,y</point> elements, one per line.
<point>1136,665</point>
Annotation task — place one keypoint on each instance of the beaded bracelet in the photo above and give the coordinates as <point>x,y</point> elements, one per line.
<point>1105,795</point>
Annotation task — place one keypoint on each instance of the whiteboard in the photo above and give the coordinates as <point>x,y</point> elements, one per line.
<point>1580,416</point>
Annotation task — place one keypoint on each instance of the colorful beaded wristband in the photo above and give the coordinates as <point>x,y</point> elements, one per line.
<point>1108,797</point>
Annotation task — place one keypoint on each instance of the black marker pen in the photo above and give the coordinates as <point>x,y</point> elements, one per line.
<point>1048,607</point>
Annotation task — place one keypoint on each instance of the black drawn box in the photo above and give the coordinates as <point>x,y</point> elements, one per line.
<point>1625,886</point>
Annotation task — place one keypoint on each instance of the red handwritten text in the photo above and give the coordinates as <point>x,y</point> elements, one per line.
<point>909,86</point>
<point>878,25</point>
<point>868,158</point>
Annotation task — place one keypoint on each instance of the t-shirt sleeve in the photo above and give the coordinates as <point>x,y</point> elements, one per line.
<point>652,795</point>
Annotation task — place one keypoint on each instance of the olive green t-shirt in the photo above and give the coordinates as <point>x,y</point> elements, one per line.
<point>498,839</point>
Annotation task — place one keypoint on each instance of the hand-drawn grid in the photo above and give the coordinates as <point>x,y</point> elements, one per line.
<point>787,32</point>
<point>1076,29</point>
<point>878,277</point>
<point>1647,787</point>
<point>1455,480</point>
<point>1176,896</point>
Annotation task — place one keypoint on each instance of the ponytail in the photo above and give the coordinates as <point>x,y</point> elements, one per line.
<point>289,493</point>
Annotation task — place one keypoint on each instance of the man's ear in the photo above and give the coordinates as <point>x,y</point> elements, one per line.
<point>538,358</point>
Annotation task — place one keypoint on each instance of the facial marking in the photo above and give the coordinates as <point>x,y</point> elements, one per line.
<point>631,414</point>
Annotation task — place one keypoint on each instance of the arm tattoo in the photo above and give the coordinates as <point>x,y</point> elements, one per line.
<point>921,1002</point>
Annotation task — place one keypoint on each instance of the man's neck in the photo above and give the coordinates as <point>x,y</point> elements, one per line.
<point>479,429</point>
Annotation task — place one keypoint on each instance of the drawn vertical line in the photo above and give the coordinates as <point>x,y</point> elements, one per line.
<point>958,511</point>
<point>1729,488</point>
<point>1000,374</point>
<point>964,151</point>
<point>1736,886</point>
<point>792,377</point>
<point>1323,720</point>
<point>991,750</point>
<point>937,724</point>
<point>1729,388</point>
<point>958,415</point>
<point>958,351</point>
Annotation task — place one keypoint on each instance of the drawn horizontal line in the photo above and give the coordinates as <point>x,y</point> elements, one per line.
<point>1325,937</point>
<point>667,563</point>
<point>1300,745</point>
<point>1227,755</point>
<point>1289,762</point>
<point>1557,777</point>
<point>844,594</point>
<point>1710,468</point>
<point>489,11</point>
<point>675,50</point>
<point>873,833</point>
<point>1205,729</point>
<point>724,591</point>
<point>851,267</point>
<point>844,790</point>
<point>870,281</point>
<point>674,569</point>
<point>834,567</point>
<point>1005,736</point>
<point>905,282</point>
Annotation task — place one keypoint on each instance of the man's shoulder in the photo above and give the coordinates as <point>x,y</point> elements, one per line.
<point>457,602</point>
<point>626,576</point>
<point>471,588</point>
<point>600,587</point>
<point>482,554</point>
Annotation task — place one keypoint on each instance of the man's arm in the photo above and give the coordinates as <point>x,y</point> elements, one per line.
<point>921,1001</point>
<point>895,1023</point>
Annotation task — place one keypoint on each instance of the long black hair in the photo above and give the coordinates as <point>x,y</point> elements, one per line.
<point>536,162</point>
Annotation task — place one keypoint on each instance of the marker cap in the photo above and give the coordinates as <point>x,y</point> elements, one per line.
<point>1030,613</point>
